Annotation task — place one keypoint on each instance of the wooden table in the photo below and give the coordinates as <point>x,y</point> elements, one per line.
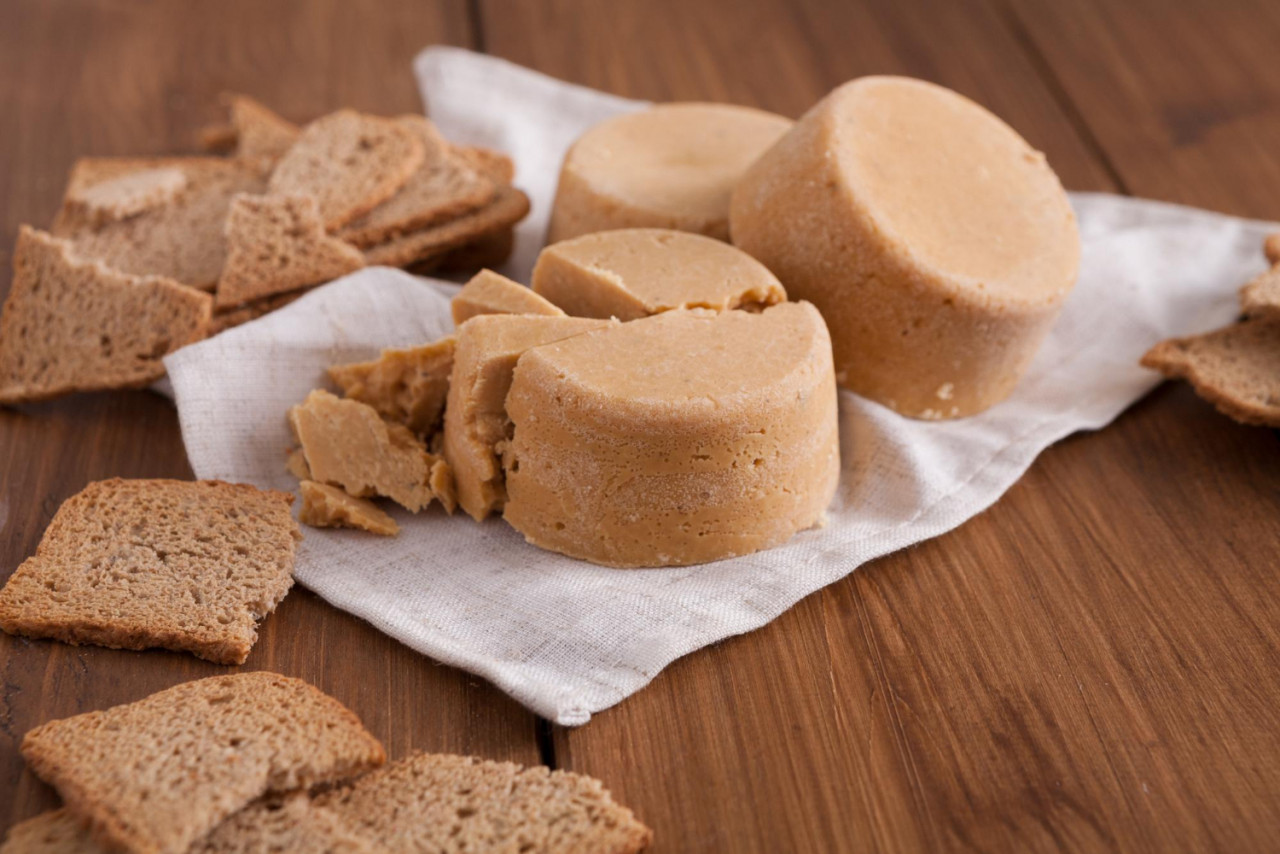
<point>1092,665</point>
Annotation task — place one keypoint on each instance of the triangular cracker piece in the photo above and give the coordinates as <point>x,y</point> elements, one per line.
<point>72,325</point>
<point>325,506</point>
<point>160,774</point>
<point>508,207</point>
<point>182,238</point>
<point>349,163</point>
<point>407,385</point>
<point>434,802</point>
<point>444,186</point>
<point>1236,368</point>
<point>1261,297</point>
<point>255,131</point>
<point>347,444</point>
<point>278,244</point>
<point>134,564</point>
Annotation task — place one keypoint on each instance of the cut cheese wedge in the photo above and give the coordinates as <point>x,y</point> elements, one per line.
<point>633,273</point>
<point>491,293</point>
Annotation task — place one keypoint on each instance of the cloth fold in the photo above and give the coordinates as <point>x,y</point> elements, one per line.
<point>567,638</point>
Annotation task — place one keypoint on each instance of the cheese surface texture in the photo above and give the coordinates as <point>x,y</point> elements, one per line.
<point>937,243</point>
<point>681,438</point>
<point>492,293</point>
<point>633,273</point>
<point>475,419</point>
<point>670,166</point>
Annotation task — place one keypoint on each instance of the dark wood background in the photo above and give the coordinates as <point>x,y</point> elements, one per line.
<point>1091,665</point>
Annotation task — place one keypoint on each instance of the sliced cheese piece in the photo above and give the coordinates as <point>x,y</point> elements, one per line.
<point>491,293</point>
<point>670,166</point>
<point>475,420</point>
<point>325,506</point>
<point>633,273</point>
<point>937,243</point>
<point>347,444</point>
<point>408,385</point>
<point>677,439</point>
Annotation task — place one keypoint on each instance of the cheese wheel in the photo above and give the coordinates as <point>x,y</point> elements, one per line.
<point>677,439</point>
<point>475,421</point>
<point>636,272</point>
<point>937,243</point>
<point>670,166</point>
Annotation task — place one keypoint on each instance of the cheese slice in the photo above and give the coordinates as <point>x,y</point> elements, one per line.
<point>475,419</point>
<point>633,273</point>
<point>491,293</point>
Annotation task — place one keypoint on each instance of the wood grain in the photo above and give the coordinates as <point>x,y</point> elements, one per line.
<point>1092,665</point>
<point>1089,666</point>
<point>128,78</point>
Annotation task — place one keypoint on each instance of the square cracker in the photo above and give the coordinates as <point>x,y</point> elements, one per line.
<point>132,564</point>
<point>157,775</point>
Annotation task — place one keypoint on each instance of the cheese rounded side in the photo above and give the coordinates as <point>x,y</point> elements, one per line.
<point>677,439</point>
<point>670,166</point>
<point>937,243</point>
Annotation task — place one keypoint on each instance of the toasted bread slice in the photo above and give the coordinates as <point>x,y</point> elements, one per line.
<point>1236,368</point>
<point>277,244</point>
<point>74,325</point>
<point>456,804</point>
<point>349,163</point>
<point>158,775</point>
<point>132,564</point>
<point>508,207</point>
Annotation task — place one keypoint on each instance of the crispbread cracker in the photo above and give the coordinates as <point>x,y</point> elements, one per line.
<point>406,385</point>
<point>132,564</point>
<point>495,165</point>
<point>347,444</point>
<point>455,804</point>
<point>129,194</point>
<point>325,506</point>
<point>252,131</point>
<point>277,244</point>
<point>71,325</point>
<point>182,239</point>
<point>508,207</point>
<point>157,775</point>
<point>444,186</point>
<point>350,163</point>
<point>274,824</point>
<point>491,293</point>
<point>1236,368</point>
<point>1261,296</point>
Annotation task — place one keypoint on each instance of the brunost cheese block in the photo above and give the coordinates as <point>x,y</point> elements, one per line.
<point>937,243</point>
<point>676,439</point>
<point>475,420</point>
<point>636,272</point>
<point>491,293</point>
<point>670,166</point>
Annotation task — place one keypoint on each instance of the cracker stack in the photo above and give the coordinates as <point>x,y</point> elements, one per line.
<point>286,209</point>
<point>1236,368</point>
<point>260,762</point>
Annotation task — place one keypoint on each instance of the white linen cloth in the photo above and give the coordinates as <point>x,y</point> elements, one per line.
<point>567,638</point>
